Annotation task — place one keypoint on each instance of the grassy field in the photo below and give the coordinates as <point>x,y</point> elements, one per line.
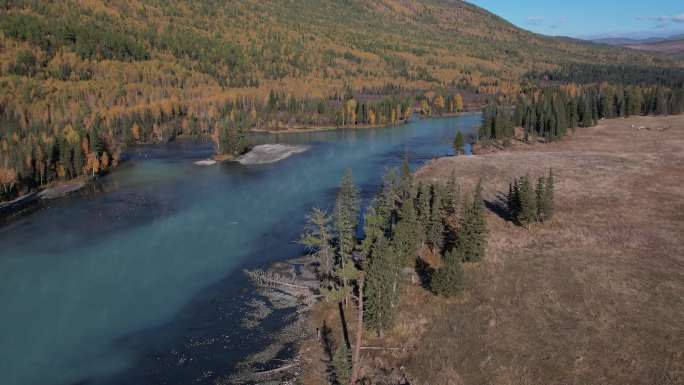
<point>596,296</point>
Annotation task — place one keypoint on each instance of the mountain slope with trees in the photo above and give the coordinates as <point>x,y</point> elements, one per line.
<point>81,79</point>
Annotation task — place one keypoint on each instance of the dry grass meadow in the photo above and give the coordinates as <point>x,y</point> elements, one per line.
<point>596,296</point>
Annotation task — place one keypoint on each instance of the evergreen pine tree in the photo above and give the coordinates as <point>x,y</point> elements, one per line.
<point>471,238</point>
<point>380,289</point>
<point>406,181</point>
<point>407,235</point>
<point>346,217</point>
<point>452,195</point>
<point>459,144</point>
<point>423,209</point>
<point>435,229</point>
<point>342,364</point>
<point>513,200</point>
<point>388,199</point>
<point>527,203</point>
<point>318,239</point>
<point>345,223</point>
<point>448,279</point>
<point>373,229</point>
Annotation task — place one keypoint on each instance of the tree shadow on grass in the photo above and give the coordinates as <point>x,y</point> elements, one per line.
<point>327,341</point>
<point>499,206</point>
<point>345,331</point>
<point>425,272</point>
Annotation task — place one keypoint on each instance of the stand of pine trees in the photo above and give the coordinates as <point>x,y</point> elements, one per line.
<point>551,112</point>
<point>397,223</point>
<point>528,204</point>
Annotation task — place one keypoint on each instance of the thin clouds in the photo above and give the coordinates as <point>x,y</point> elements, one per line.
<point>562,20</point>
<point>535,20</point>
<point>538,21</point>
<point>663,21</point>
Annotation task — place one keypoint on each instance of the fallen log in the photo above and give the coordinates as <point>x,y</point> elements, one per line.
<point>284,368</point>
<point>377,348</point>
<point>270,279</point>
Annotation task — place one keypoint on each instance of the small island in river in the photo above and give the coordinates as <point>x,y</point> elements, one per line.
<point>270,153</point>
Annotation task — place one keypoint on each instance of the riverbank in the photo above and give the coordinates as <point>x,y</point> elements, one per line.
<point>53,191</point>
<point>181,236</point>
<point>594,296</point>
<point>307,129</point>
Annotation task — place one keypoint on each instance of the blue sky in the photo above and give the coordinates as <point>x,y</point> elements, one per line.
<point>592,18</point>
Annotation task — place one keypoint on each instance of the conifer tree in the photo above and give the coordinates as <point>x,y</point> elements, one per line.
<point>471,238</point>
<point>346,217</point>
<point>407,237</point>
<point>345,223</point>
<point>318,240</point>
<point>513,200</point>
<point>342,364</point>
<point>406,181</point>
<point>423,209</point>
<point>380,289</point>
<point>373,229</point>
<point>452,195</point>
<point>388,199</point>
<point>435,229</point>
<point>448,279</point>
<point>527,203</point>
<point>459,144</point>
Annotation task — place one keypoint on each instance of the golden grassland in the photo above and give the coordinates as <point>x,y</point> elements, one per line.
<point>596,296</point>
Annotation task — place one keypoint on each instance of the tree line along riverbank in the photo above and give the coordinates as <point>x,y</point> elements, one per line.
<point>539,289</point>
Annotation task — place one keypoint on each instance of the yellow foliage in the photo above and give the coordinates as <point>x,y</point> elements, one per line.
<point>458,102</point>
<point>439,101</point>
<point>372,118</point>
<point>135,131</point>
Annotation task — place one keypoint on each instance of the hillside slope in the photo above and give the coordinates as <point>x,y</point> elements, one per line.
<point>673,47</point>
<point>81,78</point>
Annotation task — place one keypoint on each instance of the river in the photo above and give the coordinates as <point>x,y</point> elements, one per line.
<point>138,279</point>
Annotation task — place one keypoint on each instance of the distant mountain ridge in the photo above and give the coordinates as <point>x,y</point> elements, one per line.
<point>671,46</point>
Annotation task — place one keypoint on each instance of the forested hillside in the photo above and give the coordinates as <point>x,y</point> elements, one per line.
<point>80,79</point>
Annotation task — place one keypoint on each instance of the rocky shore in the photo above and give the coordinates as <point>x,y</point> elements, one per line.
<point>291,287</point>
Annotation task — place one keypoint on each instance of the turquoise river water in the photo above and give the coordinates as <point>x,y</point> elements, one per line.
<point>138,280</point>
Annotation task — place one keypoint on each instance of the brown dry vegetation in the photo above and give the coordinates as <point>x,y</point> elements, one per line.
<point>668,47</point>
<point>596,296</point>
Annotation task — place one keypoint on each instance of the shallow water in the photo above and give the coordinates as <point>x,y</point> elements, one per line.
<point>138,280</point>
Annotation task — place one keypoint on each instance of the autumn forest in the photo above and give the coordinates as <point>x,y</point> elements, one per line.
<point>79,87</point>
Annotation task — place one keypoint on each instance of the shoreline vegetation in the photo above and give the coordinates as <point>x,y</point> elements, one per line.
<point>58,189</point>
<point>609,141</point>
<point>308,129</point>
<point>600,172</point>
